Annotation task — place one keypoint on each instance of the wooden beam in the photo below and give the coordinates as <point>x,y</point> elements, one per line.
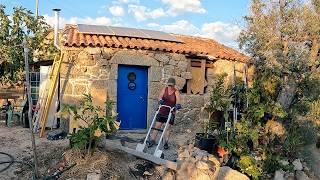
<point>203,74</point>
<point>169,164</point>
<point>198,64</point>
<point>188,80</point>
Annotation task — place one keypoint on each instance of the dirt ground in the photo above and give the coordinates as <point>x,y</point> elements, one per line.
<point>17,142</point>
<point>112,164</point>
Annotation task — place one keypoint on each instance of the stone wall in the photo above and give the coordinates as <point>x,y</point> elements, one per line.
<point>223,66</point>
<point>95,71</point>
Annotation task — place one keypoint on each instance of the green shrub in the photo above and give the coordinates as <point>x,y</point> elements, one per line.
<point>292,142</point>
<point>80,139</point>
<point>272,164</point>
<point>308,133</point>
<point>250,166</point>
<point>219,97</point>
<point>97,122</point>
<point>217,107</point>
<point>314,110</point>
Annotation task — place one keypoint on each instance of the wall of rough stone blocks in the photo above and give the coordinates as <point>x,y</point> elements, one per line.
<point>95,71</point>
<point>223,66</point>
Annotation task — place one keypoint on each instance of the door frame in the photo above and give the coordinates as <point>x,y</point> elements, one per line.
<point>147,69</point>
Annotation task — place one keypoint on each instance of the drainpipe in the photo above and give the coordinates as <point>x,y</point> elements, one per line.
<point>56,27</point>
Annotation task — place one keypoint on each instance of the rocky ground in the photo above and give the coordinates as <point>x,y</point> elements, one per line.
<point>114,164</point>
<point>301,171</point>
<point>111,164</point>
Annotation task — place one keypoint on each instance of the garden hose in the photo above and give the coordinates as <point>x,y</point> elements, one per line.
<point>11,161</point>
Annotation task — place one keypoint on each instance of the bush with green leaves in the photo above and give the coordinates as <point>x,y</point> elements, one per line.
<point>217,106</point>
<point>299,135</point>
<point>219,97</point>
<point>286,82</point>
<point>273,163</point>
<point>95,121</point>
<point>314,110</point>
<point>250,166</point>
<point>239,139</point>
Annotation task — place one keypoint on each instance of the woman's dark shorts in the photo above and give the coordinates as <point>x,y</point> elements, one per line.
<point>163,119</point>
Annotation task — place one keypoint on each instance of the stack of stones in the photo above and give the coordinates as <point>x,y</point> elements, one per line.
<point>196,164</point>
<point>301,171</point>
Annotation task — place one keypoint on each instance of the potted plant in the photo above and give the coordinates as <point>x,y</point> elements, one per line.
<point>212,115</point>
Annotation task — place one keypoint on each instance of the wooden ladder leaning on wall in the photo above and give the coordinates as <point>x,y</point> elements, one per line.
<point>48,94</point>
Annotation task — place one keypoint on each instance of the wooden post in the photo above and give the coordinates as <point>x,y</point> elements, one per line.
<point>203,74</point>
<point>26,61</point>
<point>188,81</point>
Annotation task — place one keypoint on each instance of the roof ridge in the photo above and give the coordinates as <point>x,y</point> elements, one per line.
<point>194,45</point>
<point>196,37</point>
<point>206,39</point>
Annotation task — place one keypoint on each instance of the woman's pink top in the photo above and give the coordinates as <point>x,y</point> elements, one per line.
<point>169,100</point>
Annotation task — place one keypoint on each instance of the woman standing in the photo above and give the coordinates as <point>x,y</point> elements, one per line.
<point>169,96</point>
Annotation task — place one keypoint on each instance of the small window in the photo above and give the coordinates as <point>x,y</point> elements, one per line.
<point>34,86</point>
<point>132,76</point>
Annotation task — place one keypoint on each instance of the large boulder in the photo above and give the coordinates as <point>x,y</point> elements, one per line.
<point>279,175</point>
<point>226,173</point>
<point>196,164</point>
<point>162,57</point>
<point>186,75</point>
<point>300,175</point>
<point>297,165</point>
<point>192,101</point>
<point>180,82</point>
<point>183,65</point>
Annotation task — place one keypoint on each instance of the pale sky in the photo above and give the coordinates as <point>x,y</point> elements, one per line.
<point>217,19</point>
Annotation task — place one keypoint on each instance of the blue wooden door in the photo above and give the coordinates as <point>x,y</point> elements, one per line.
<point>132,96</point>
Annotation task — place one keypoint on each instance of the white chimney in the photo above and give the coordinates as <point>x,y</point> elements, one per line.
<point>56,27</point>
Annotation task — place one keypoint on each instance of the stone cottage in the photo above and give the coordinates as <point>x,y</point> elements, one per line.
<point>130,68</point>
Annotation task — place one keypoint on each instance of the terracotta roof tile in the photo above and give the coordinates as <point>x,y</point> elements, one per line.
<point>102,40</point>
<point>188,45</point>
<point>110,43</point>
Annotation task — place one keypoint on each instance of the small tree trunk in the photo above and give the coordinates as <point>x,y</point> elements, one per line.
<point>314,54</point>
<point>90,143</point>
<point>89,148</point>
<point>287,93</point>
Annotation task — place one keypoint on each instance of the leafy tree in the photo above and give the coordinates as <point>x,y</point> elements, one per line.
<point>283,37</point>
<point>13,29</point>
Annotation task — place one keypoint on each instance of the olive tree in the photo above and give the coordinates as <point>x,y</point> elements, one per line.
<point>283,39</point>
